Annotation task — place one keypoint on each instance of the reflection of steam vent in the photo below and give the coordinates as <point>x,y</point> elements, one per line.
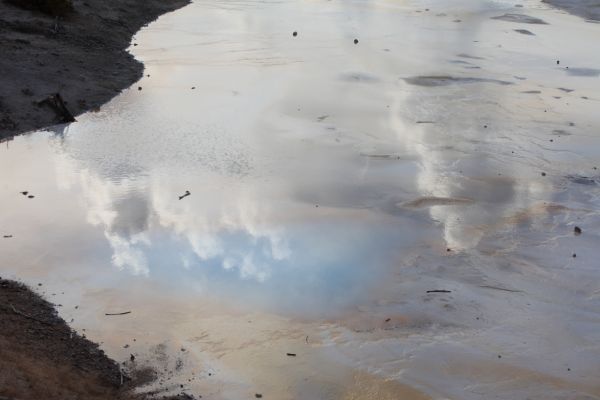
<point>131,215</point>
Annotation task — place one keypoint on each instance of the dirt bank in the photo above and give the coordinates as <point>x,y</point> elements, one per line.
<point>82,56</point>
<point>42,358</point>
<point>588,9</point>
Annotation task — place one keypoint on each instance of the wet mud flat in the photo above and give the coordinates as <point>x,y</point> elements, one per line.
<point>82,56</point>
<point>43,358</point>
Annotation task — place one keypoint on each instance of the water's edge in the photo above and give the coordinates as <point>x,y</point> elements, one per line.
<point>89,63</point>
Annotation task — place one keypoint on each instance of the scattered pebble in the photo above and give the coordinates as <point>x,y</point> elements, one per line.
<point>291,354</point>
<point>295,34</point>
<point>139,88</point>
<point>355,41</point>
<point>543,174</point>
<point>577,231</point>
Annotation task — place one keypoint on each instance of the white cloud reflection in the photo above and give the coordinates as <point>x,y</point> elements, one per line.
<point>230,229</point>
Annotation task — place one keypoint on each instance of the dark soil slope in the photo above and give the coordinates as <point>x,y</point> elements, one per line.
<point>80,55</point>
<point>42,358</point>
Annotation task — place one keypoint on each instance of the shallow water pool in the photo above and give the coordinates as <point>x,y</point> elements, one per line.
<point>398,212</point>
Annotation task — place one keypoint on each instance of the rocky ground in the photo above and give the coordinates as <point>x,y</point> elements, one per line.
<point>81,55</point>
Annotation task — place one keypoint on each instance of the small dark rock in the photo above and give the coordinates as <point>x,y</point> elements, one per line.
<point>295,34</point>
<point>355,41</point>
<point>577,231</point>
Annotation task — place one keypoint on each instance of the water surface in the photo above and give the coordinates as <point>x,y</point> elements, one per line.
<point>332,185</point>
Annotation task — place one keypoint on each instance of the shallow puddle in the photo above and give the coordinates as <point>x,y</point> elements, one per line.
<point>400,221</point>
